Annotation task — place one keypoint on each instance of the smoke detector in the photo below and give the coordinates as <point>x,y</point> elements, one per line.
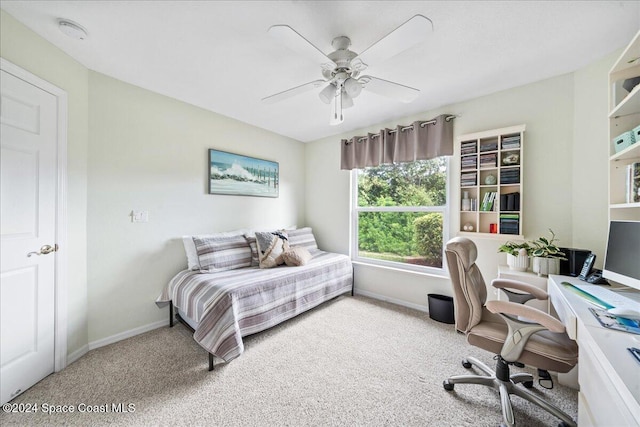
<point>72,29</point>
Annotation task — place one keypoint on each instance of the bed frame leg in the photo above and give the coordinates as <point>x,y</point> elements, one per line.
<point>171,314</point>
<point>211,362</point>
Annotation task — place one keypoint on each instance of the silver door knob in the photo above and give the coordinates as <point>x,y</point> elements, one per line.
<point>46,249</point>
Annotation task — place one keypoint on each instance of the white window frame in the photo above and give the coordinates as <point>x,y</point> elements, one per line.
<point>355,210</point>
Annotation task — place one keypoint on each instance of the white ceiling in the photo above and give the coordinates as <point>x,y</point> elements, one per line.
<point>217,55</point>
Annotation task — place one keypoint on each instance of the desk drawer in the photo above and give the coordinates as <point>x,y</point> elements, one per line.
<point>599,402</point>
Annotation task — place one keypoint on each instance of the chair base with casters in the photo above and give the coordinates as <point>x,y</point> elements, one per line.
<point>507,384</point>
<point>518,334</point>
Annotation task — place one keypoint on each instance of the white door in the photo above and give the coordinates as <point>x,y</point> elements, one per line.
<point>28,140</point>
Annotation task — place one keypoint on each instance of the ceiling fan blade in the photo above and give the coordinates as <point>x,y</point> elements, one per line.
<point>293,92</point>
<point>409,34</point>
<point>389,89</point>
<point>297,43</point>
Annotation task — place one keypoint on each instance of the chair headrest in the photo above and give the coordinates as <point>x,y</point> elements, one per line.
<point>465,249</point>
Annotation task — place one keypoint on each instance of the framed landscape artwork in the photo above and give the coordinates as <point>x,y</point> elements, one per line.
<point>238,175</point>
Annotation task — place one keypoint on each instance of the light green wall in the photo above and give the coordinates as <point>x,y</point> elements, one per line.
<point>590,156</point>
<point>132,149</point>
<point>149,152</point>
<point>23,47</point>
<point>554,161</point>
<point>129,148</point>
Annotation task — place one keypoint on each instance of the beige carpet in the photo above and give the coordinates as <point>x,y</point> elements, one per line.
<point>352,361</point>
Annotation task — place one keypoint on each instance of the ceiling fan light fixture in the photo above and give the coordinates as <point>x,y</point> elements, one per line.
<point>328,93</point>
<point>72,29</point>
<point>352,87</point>
<point>347,101</point>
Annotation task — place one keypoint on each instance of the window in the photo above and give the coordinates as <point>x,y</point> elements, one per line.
<point>399,214</point>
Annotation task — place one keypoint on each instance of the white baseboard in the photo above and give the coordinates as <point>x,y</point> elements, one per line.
<point>391,300</point>
<point>72,357</point>
<point>127,334</point>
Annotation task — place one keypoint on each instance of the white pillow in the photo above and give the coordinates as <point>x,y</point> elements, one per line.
<point>192,254</point>
<point>190,248</point>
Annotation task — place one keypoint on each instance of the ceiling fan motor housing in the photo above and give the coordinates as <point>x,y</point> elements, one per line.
<point>342,56</point>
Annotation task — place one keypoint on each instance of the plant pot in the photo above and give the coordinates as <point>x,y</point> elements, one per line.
<point>518,263</point>
<point>546,266</point>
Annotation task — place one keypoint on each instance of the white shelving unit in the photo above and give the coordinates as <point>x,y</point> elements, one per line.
<point>492,153</point>
<point>624,116</point>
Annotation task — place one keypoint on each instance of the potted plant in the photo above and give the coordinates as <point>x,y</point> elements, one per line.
<point>546,255</point>
<point>517,255</point>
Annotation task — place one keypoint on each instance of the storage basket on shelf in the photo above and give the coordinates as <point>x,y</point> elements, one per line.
<point>623,141</point>
<point>636,134</point>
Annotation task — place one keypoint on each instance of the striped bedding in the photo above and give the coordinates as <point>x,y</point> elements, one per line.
<point>231,304</point>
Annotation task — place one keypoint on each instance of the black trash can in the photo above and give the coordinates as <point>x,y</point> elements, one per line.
<point>441,308</point>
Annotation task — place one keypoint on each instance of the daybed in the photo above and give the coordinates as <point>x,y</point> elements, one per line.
<point>225,295</point>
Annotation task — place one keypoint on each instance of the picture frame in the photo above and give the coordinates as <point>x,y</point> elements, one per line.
<point>239,175</point>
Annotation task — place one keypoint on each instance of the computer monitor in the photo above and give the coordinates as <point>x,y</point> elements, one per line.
<point>622,260</point>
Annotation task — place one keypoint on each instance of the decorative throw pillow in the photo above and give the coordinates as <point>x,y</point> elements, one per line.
<point>302,237</point>
<point>190,248</point>
<point>222,253</point>
<point>296,256</point>
<point>271,245</point>
<point>253,244</point>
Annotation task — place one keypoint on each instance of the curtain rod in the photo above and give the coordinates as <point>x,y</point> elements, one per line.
<point>423,124</point>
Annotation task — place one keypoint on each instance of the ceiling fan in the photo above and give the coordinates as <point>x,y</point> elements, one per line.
<point>342,68</point>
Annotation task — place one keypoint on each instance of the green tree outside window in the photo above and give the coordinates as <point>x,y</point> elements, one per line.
<point>405,236</point>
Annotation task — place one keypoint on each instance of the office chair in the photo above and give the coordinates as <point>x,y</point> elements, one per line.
<point>496,326</point>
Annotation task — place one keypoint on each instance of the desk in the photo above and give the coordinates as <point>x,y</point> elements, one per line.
<point>608,375</point>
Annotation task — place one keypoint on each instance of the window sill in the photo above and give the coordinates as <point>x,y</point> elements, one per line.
<point>442,275</point>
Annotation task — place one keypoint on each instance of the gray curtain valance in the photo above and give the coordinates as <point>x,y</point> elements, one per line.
<point>418,141</point>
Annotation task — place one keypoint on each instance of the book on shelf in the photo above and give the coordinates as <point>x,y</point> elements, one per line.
<point>510,176</point>
<point>508,230</point>
<point>489,160</point>
<point>468,166</point>
<point>633,182</point>
<point>504,230</point>
<point>510,147</point>
<point>490,146</point>
<point>468,147</point>
<point>469,162</point>
<point>509,223</point>
<point>488,201</point>
<point>511,138</point>
<point>468,179</point>
<point>509,217</point>
<point>483,205</point>
<point>510,202</point>
<point>511,142</point>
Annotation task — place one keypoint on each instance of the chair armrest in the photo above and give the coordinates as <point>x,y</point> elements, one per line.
<point>521,286</point>
<point>519,330</point>
<point>540,317</point>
